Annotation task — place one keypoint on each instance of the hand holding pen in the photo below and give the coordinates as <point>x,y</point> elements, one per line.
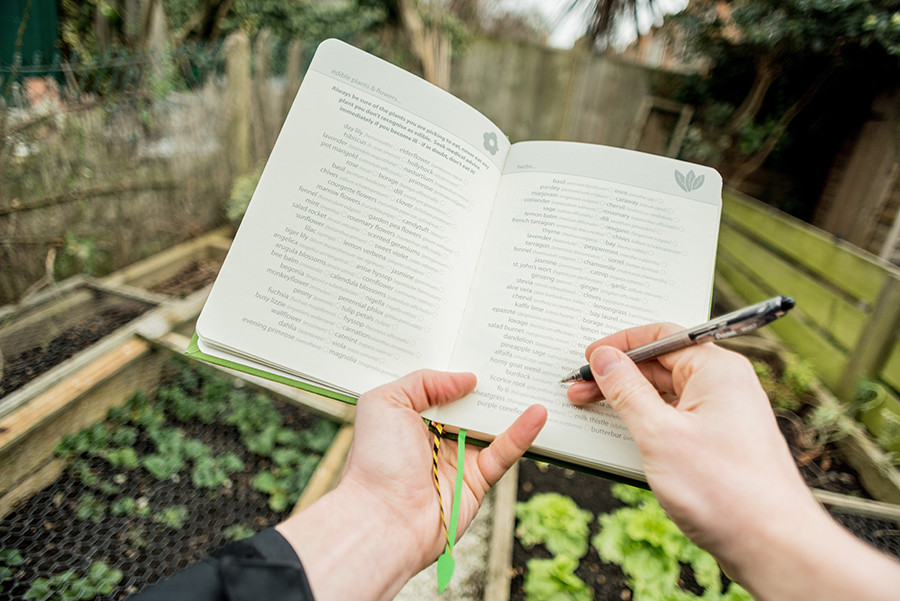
<point>733,324</point>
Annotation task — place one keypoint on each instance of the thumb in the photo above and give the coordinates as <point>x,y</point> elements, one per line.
<point>625,388</point>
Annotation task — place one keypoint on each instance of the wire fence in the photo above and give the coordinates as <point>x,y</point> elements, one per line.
<point>106,159</point>
<point>116,72</point>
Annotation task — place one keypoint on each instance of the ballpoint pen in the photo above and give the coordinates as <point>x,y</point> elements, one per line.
<point>733,324</point>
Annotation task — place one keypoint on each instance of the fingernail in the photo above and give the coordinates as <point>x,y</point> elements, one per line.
<point>604,360</point>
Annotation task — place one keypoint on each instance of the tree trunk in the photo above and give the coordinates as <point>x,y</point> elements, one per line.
<point>428,44</point>
<point>766,71</point>
<point>755,161</point>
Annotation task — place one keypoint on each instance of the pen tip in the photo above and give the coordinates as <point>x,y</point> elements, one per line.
<point>572,377</point>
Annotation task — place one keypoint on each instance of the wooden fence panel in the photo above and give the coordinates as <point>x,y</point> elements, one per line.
<point>891,371</point>
<point>835,263</point>
<point>829,310</point>
<point>848,304</point>
<point>808,342</point>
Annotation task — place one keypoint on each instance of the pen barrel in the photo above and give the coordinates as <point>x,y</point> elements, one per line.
<point>669,344</point>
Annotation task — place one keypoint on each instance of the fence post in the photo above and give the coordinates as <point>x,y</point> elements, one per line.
<point>293,75</point>
<point>237,93</point>
<point>875,340</point>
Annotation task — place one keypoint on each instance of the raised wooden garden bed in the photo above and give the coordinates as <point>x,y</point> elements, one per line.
<point>166,477</point>
<point>99,375</point>
<point>180,270</point>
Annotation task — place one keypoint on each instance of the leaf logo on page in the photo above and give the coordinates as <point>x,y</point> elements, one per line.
<point>689,182</point>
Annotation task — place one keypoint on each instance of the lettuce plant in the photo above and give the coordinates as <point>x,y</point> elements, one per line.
<point>555,580</point>
<point>555,521</point>
<point>651,550</point>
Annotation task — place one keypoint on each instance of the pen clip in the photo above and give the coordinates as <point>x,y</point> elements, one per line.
<point>743,320</point>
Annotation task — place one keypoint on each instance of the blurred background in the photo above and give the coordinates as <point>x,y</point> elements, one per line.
<point>132,135</point>
<point>121,135</point>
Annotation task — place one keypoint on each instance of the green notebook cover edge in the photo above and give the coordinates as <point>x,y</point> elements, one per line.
<point>193,351</point>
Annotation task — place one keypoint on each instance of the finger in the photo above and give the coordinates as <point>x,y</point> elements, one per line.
<point>508,447</point>
<point>634,337</point>
<point>584,393</point>
<point>630,393</point>
<point>426,388</point>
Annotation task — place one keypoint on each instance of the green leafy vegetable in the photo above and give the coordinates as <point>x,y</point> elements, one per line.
<point>172,517</point>
<point>67,586</point>
<point>90,508</point>
<point>555,580</point>
<point>651,552</point>
<point>556,521</point>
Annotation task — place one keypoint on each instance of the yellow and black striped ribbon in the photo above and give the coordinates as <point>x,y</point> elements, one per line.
<point>437,431</point>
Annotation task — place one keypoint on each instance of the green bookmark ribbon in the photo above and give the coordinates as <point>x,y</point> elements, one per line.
<point>446,563</point>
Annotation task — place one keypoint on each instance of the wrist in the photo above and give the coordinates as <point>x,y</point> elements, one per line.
<point>351,546</point>
<point>805,554</point>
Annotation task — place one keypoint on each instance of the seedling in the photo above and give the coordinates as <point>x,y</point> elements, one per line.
<point>172,517</point>
<point>67,586</point>
<point>9,559</point>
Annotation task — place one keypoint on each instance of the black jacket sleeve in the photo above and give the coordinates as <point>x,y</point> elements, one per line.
<point>263,566</point>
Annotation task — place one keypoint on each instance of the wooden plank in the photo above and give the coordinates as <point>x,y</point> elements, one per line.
<point>38,480</point>
<point>880,333</point>
<point>28,437</point>
<point>857,506</point>
<point>828,310</point>
<point>856,273</point>
<point>806,341</point>
<point>318,404</point>
<point>49,294</point>
<point>167,263</point>
<point>883,422</point>
<point>890,372</point>
<point>328,472</point>
<point>153,323</point>
<point>499,570</point>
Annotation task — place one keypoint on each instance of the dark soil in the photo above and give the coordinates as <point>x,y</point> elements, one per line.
<point>28,365</point>
<point>50,537</point>
<point>589,492</point>
<point>194,276</point>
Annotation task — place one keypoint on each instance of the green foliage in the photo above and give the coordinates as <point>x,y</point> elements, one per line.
<point>241,192</point>
<point>90,508</point>
<point>192,395</point>
<point>313,21</point>
<point>124,457</point>
<point>556,521</point>
<point>212,472</point>
<point>172,517</point>
<point>238,532</point>
<point>161,466</point>
<point>785,391</point>
<point>81,470</point>
<point>318,438</point>
<point>9,558</point>
<point>285,482</point>
<point>799,377</point>
<point>651,551</point>
<point>555,580</point>
<point>128,506</point>
<point>67,586</point>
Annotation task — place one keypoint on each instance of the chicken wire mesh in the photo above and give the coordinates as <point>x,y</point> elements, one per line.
<point>38,338</point>
<point>158,485</point>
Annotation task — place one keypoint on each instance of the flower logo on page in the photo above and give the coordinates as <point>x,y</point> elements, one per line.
<point>490,142</point>
<point>689,182</point>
